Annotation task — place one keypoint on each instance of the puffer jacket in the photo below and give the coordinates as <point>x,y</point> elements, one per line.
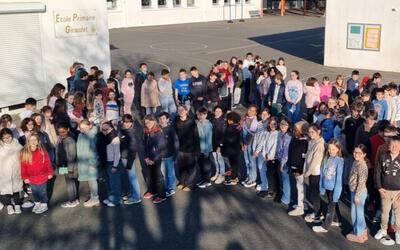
<point>10,177</point>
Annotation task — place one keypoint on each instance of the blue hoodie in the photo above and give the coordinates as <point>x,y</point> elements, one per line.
<point>381,108</point>
<point>331,176</point>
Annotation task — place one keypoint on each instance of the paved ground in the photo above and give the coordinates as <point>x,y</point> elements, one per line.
<point>219,217</point>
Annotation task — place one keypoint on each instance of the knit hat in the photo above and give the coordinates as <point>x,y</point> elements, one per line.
<point>303,126</point>
<point>345,98</point>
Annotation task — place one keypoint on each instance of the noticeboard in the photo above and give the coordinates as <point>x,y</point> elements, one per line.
<point>363,36</point>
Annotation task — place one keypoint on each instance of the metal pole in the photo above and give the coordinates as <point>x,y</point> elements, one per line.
<point>305,7</point>
<point>230,14</point>
<point>241,11</point>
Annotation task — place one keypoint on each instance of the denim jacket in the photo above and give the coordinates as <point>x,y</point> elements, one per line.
<point>282,150</point>
<point>331,176</point>
<point>205,136</point>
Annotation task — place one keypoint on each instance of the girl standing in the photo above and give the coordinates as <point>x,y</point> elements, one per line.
<point>312,98</point>
<point>112,109</point>
<point>67,165</point>
<point>312,170</point>
<point>154,147</point>
<point>150,95</point>
<point>282,152</point>
<point>357,184</point>
<point>36,170</point>
<point>10,178</point>
<point>219,126</point>
<point>331,184</point>
<point>326,89</point>
<point>87,158</point>
<point>128,91</point>
<point>296,157</point>
<point>281,66</point>
<point>56,92</point>
<point>339,87</point>
<point>293,94</point>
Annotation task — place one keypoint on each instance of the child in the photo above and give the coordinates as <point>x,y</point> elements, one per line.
<point>6,121</point>
<point>357,184</point>
<point>276,95</point>
<point>112,109</point>
<point>113,159</point>
<point>380,105</point>
<point>56,92</point>
<point>331,184</point>
<point>312,170</point>
<point>150,95</point>
<point>328,125</point>
<point>66,164</point>
<point>368,129</point>
<point>79,106</point>
<point>97,117</point>
<point>90,94</point>
<point>204,127</point>
<point>10,178</point>
<point>166,94</point>
<point>212,91</point>
<point>296,156</point>
<point>320,114</point>
<point>154,146</point>
<point>30,107</point>
<point>271,167</point>
<point>70,110</point>
<point>282,152</point>
<point>281,66</point>
<point>48,126</point>
<point>312,97</point>
<point>339,87</point>
<point>182,89</point>
<point>352,85</point>
<point>249,129</point>
<point>167,163</point>
<point>87,159</point>
<point>219,126</point>
<point>231,147</point>
<point>128,91</point>
<point>293,95</point>
<point>343,103</point>
<point>326,89</point>
<point>224,93</point>
<point>36,169</point>
<point>333,103</point>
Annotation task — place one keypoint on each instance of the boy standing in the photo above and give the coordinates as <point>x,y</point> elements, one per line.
<point>380,105</point>
<point>204,127</point>
<point>30,107</point>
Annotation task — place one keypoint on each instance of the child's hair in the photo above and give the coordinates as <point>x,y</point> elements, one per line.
<point>33,116</point>
<point>202,110</point>
<point>252,106</point>
<point>382,125</point>
<point>95,68</point>
<point>336,143</point>
<point>301,129</point>
<point>355,72</point>
<point>379,90</point>
<point>98,73</point>
<point>273,119</point>
<point>83,73</point>
<point>233,116</point>
<point>278,76</point>
<point>280,59</point>
<point>320,105</point>
<point>25,122</point>
<point>98,92</point>
<point>218,107</point>
<point>151,74</point>
<point>182,71</point>
<point>286,120</point>
<point>111,80</point>
<point>142,64</point>
<point>325,78</point>
<point>365,93</point>
<point>85,122</point>
<point>55,91</point>
<point>164,72</point>
<point>371,114</point>
<point>395,138</point>
<point>249,54</point>
<point>315,127</point>
<point>376,75</point>
<point>92,79</point>
<point>5,131</point>
<point>330,112</point>
<point>26,152</point>
<point>297,73</point>
<point>63,125</point>
<point>164,113</point>
<point>193,68</point>
<point>30,101</point>
<point>46,109</point>
<point>357,106</point>
<point>311,81</point>
<point>6,118</point>
<point>79,98</point>
<point>111,91</point>
<point>363,149</point>
<point>115,72</point>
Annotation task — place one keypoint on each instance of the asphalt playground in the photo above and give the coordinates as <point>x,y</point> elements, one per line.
<point>218,217</point>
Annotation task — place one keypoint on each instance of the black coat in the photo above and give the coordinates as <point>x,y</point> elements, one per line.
<point>232,141</point>
<point>218,130</point>
<point>154,145</point>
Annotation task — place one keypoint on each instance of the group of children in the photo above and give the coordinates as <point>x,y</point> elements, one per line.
<point>300,143</point>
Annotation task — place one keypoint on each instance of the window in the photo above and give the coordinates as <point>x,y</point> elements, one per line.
<point>162,3</point>
<point>111,4</point>
<point>177,3</point>
<point>146,3</point>
<point>190,3</point>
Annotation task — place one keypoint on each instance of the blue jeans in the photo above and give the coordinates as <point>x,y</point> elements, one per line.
<point>114,194</point>
<point>168,105</point>
<point>133,180</point>
<point>219,163</point>
<point>293,116</point>
<point>261,164</point>
<point>251,167</point>
<point>285,180</point>
<point>39,193</point>
<point>357,214</point>
<point>168,171</point>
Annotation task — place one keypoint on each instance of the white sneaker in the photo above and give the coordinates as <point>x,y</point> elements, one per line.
<point>250,184</point>
<point>258,187</point>
<point>397,236</point>
<point>108,203</point>
<point>131,201</point>
<point>17,209</point>
<point>204,184</point>
<point>335,224</point>
<point>220,179</point>
<point>42,208</point>
<point>92,202</point>
<point>1,206</point>
<point>10,210</point>
<point>310,218</point>
<point>245,181</point>
<point>380,234</point>
<point>319,229</point>
<point>35,207</point>
<point>387,241</point>
<point>296,212</point>
<point>28,204</point>
<point>69,204</point>
<point>215,177</point>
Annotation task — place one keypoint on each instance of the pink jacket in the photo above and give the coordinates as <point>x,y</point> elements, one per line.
<point>312,95</point>
<point>128,89</point>
<point>326,92</point>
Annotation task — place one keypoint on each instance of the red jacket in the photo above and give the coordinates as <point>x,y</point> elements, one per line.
<point>38,171</point>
